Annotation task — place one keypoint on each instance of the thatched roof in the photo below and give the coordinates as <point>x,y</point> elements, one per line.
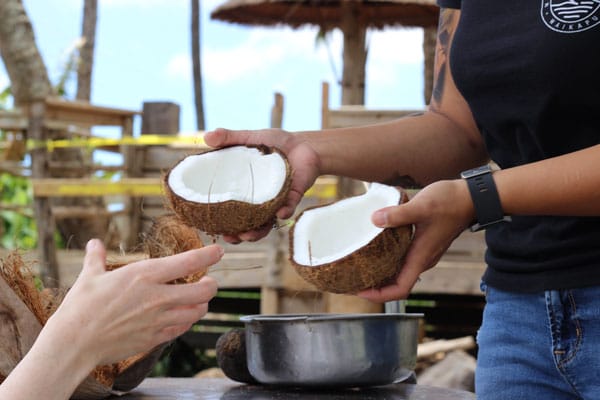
<point>327,13</point>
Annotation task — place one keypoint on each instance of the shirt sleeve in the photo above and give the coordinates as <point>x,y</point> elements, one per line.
<point>449,3</point>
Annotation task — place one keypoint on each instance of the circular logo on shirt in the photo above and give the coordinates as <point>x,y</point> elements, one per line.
<point>570,16</point>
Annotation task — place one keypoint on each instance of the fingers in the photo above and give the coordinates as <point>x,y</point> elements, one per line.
<point>186,294</point>
<point>94,261</point>
<point>221,137</point>
<point>250,236</point>
<point>257,234</point>
<point>183,315</point>
<point>179,265</point>
<point>291,203</point>
<point>400,290</point>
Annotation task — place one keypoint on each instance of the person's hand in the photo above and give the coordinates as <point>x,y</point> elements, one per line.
<point>439,213</point>
<point>113,315</point>
<point>303,160</point>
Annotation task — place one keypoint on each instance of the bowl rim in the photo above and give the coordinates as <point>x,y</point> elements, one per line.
<point>328,317</point>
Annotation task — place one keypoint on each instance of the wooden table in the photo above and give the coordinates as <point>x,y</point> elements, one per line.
<point>224,389</point>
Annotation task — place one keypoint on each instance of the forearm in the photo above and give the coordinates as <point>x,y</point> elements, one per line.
<point>422,149</point>
<point>564,185</point>
<point>52,369</point>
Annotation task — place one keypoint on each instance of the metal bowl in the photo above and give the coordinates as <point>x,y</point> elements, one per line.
<point>335,350</point>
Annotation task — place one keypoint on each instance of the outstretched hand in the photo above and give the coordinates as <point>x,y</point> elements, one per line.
<point>108,316</point>
<point>123,312</point>
<point>439,212</point>
<point>302,158</point>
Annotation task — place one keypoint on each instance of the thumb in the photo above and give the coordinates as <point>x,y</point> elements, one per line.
<point>215,138</point>
<point>95,257</point>
<point>392,216</point>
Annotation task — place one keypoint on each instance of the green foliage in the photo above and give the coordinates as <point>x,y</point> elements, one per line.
<point>5,96</point>
<point>18,228</point>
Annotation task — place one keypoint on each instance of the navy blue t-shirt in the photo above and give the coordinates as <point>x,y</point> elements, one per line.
<point>530,72</point>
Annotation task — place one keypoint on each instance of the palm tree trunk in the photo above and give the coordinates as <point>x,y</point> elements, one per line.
<point>196,64</point>
<point>86,52</point>
<point>23,62</point>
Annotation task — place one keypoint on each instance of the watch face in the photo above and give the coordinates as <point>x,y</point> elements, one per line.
<point>484,169</point>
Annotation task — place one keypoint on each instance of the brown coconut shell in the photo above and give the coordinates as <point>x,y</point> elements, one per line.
<point>371,266</point>
<point>231,356</point>
<point>229,217</point>
<point>168,236</point>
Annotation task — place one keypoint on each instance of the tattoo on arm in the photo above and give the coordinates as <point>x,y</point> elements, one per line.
<point>442,54</point>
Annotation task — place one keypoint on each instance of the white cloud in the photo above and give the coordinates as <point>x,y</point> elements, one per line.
<point>180,67</point>
<point>390,48</point>
<point>265,52</point>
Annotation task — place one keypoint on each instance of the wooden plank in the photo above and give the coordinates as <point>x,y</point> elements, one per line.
<point>357,115</point>
<point>60,212</point>
<point>80,112</point>
<point>452,277</point>
<point>77,187</point>
<point>159,159</point>
<point>12,120</point>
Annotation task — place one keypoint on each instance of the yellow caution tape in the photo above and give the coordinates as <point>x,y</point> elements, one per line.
<point>134,187</point>
<point>95,142</point>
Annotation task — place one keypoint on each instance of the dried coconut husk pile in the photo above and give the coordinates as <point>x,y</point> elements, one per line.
<point>24,309</point>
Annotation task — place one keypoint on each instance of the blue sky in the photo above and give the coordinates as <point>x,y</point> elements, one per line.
<point>142,54</point>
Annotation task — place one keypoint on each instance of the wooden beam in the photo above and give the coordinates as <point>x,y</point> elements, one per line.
<point>78,187</point>
<point>136,187</point>
<point>81,112</point>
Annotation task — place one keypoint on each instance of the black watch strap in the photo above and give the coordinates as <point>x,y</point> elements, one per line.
<point>484,194</point>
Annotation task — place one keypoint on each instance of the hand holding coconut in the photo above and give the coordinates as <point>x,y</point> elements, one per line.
<point>302,159</point>
<point>439,213</point>
<point>108,316</point>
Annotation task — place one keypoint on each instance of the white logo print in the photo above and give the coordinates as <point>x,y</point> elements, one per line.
<point>570,16</point>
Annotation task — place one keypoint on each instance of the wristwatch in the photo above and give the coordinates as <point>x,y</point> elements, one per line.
<point>484,194</point>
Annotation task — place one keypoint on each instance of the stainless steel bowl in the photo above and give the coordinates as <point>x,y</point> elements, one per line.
<point>316,350</point>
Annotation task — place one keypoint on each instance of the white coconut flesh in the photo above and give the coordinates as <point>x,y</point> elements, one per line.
<point>235,173</point>
<point>326,234</point>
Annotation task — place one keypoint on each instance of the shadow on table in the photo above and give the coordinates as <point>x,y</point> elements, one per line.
<point>388,392</point>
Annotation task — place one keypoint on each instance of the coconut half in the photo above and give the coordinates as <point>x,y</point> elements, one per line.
<point>229,190</point>
<point>338,249</point>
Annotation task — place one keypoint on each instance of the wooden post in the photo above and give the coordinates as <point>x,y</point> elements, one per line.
<point>277,112</point>
<point>429,41</point>
<point>324,105</point>
<point>43,214</point>
<point>355,55</point>
<point>158,118</point>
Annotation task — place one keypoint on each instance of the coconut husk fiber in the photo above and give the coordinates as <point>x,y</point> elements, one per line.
<point>25,308</point>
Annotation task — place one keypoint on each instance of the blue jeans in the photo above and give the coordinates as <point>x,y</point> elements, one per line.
<point>542,346</point>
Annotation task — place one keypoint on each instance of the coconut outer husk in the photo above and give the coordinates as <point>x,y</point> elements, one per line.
<point>169,235</point>
<point>229,217</point>
<point>19,326</point>
<point>231,356</point>
<point>371,266</point>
